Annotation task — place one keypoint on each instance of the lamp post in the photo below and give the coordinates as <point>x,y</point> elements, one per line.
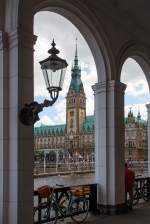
<point>54,69</point>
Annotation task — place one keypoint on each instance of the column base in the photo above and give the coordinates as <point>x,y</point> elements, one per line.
<point>112,209</point>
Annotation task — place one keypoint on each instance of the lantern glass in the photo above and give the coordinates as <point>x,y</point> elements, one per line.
<point>54,74</point>
<point>54,69</point>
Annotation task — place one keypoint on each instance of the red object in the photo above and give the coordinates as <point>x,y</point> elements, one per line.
<point>129,179</point>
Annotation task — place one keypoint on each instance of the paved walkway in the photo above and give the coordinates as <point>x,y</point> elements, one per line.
<point>139,215</point>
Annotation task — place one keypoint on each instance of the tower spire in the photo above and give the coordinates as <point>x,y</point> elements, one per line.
<point>139,115</point>
<point>76,82</point>
<point>76,54</point>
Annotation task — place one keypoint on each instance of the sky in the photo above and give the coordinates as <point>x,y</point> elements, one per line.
<point>48,25</point>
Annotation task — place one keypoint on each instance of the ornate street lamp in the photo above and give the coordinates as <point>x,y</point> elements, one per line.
<point>54,69</point>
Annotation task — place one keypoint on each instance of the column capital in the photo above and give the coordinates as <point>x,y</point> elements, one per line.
<point>108,86</point>
<point>119,86</point>
<point>22,38</point>
<point>99,87</point>
<point>148,106</point>
<point>3,40</point>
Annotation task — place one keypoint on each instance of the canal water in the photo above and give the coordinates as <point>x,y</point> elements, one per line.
<point>66,180</point>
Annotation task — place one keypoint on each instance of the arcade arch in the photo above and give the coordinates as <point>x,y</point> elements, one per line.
<point>109,93</point>
<point>140,54</point>
<point>18,169</point>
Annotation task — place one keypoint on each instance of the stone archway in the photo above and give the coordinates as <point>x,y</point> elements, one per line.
<point>19,56</point>
<point>16,67</point>
<point>140,53</point>
<point>109,174</point>
<point>97,42</point>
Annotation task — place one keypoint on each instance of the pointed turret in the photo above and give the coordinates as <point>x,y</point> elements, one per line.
<point>130,118</point>
<point>130,114</point>
<point>76,82</point>
<point>139,116</point>
<point>76,55</point>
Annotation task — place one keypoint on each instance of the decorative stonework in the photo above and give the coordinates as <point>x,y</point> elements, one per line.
<point>109,85</point>
<point>120,87</point>
<point>135,138</point>
<point>3,40</point>
<point>148,107</point>
<point>22,38</point>
<point>99,87</point>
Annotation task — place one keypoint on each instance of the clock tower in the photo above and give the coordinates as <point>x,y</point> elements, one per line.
<point>75,100</point>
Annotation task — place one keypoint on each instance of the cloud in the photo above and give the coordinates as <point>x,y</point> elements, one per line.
<point>90,106</point>
<point>138,88</point>
<point>61,112</point>
<point>44,120</point>
<point>133,76</point>
<point>48,25</point>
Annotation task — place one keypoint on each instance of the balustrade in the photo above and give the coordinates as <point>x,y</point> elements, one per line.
<point>59,194</point>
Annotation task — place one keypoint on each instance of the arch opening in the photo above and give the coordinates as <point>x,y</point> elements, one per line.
<point>102,62</point>
<point>134,74</point>
<point>71,148</point>
<point>86,28</point>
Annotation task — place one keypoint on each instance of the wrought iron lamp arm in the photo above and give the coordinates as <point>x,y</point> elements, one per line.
<point>30,113</point>
<point>52,66</point>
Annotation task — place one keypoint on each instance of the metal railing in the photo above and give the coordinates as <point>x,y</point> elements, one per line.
<point>59,192</point>
<point>140,167</point>
<point>45,167</point>
<point>63,168</point>
<point>141,191</point>
<point>141,194</point>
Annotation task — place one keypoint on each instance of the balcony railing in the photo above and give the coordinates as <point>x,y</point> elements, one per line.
<point>53,168</point>
<point>141,194</point>
<point>141,191</point>
<point>60,192</point>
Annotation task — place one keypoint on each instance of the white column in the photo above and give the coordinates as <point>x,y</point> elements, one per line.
<point>148,135</point>
<point>20,156</point>
<point>3,127</point>
<point>109,144</point>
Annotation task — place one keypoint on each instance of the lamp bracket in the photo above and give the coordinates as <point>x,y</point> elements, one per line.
<point>29,114</point>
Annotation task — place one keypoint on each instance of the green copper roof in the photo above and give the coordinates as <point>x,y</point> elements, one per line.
<point>76,82</point>
<point>137,120</point>
<point>88,124</point>
<point>140,122</point>
<point>45,130</point>
<point>48,130</point>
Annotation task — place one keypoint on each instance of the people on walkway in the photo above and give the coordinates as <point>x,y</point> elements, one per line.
<point>129,183</point>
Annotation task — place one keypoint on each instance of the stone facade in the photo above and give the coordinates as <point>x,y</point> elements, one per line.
<point>136,145</point>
